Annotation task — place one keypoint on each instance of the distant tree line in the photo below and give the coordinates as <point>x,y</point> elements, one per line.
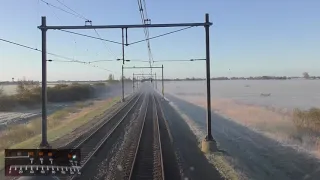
<point>29,94</point>
<point>111,79</point>
<point>254,78</point>
<point>232,78</point>
<point>305,76</point>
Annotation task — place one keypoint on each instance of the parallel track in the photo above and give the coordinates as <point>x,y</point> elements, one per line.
<point>145,156</point>
<point>90,142</point>
<point>90,145</point>
<point>116,115</point>
<point>148,162</point>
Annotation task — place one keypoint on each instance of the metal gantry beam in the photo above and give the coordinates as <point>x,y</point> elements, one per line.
<point>44,28</point>
<point>152,75</point>
<point>126,26</point>
<point>144,74</point>
<point>144,67</point>
<point>141,77</point>
<point>138,78</point>
<point>139,67</point>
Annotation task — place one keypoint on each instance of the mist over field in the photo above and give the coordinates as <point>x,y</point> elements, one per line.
<point>22,114</point>
<point>268,107</point>
<point>10,89</point>
<point>286,94</point>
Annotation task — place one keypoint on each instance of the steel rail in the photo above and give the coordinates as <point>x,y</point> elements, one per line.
<point>102,141</point>
<point>100,126</point>
<point>155,147</point>
<point>140,135</point>
<point>138,95</point>
<point>159,136</point>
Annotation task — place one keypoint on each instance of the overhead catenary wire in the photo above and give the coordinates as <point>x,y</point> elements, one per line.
<point>154,37</point>
<point>61,23</point>
<point>174,60</point>
<point>53,54</point>
<point>84,35</point>
<point>145,8</point>
<point>135,42</point>
<point>73,11</point>
<point>35,49</point>
<point>88,62</point>
<point>146,30</point>
<point>63,10</point>
<point>99,37</point>
<point>76,14</point>
<point>103,42</point>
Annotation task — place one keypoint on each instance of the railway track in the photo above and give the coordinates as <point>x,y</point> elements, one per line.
<point>144,157</point>
<point>91,144</point>
<point>171,165</point>
<point>116,115</point>
<point>147,161</point>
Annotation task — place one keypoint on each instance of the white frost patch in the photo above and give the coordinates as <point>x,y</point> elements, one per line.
<point>195,128</point>
<point>6,117</point>
<point>218,161</point>
<point>119,167</point>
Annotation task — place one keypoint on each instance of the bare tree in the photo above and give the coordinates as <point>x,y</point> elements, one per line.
<point>306,75</point>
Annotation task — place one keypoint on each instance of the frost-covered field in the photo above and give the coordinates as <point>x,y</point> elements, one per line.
<point>244,103</point>
<point>6,117</point>
<point>22,116</point>
<point>283,93</point>
<point>9,89</point>
<point>13,117</point>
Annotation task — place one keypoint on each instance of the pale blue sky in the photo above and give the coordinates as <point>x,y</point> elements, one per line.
<point>249,37</point>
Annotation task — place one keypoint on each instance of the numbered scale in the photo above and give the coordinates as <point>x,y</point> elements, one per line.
<point>30,170</point>
<point>47,162</point>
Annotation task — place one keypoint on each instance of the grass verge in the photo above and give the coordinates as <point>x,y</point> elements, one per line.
<point>28,136</point>
<point>307,119</point>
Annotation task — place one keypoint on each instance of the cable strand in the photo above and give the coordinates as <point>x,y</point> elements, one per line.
<point>62,9</point>
<point>84,35</point>
<point>53,54</point>
<point>73,11</point>
<point>161,35</point>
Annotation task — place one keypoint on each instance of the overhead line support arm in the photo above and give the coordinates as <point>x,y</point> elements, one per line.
<point>126,26</point>
<point>152,67</point>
